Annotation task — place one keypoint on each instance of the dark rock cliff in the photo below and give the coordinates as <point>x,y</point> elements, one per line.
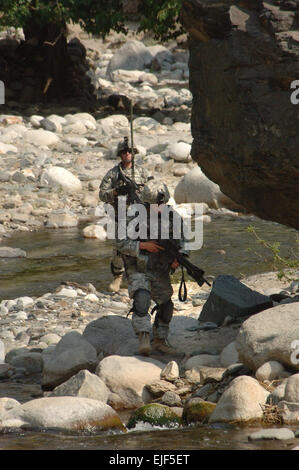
<point>243,60</point>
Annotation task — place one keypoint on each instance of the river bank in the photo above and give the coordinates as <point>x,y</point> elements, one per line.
<point>32,328</point>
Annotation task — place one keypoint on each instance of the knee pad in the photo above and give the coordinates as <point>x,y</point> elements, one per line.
<point>142,301</point>
<point>164,312</point>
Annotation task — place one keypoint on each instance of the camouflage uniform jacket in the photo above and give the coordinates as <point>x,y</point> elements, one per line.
<point>144,261</point>
<point>113,178</point>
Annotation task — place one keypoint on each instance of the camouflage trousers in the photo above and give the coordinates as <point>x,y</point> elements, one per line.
<point>160,290</point>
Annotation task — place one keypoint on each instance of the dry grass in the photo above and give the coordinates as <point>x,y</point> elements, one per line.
<point>271,414</point>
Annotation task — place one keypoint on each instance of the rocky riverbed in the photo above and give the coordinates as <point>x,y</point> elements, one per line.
<point>73,352</point>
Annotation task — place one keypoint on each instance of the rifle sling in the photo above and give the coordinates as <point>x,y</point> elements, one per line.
<point>182,297</point>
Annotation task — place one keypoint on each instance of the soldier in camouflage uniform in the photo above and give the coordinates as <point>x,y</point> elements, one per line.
<point>111,187</point>
<point>148,267</point>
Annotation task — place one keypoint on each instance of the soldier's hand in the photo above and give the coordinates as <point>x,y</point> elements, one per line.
<point>174,265</point>
<point>151,246</point>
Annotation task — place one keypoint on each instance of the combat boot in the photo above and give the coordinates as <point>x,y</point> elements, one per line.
<point>162,346</point>
<point>114,286</point>
<point>144,343</point>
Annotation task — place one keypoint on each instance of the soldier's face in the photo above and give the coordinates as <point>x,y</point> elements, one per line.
<point>126,157</point>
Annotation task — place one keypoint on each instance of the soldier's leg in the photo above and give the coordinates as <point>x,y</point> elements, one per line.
<point>162,319</point>
<point>139,290</point>
<point>162,292</point>
<point>117,269</point>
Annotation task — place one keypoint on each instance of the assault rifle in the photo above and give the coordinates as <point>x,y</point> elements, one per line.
<point>128,187</point>
<point>193,271</point>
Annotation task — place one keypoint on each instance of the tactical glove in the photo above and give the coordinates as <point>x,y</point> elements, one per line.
<point>122,190</point>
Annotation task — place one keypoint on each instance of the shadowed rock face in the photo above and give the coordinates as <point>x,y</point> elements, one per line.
<point>243,59</point>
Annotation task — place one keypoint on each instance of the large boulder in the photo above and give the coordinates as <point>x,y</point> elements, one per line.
<point>196,187</point>
<point>133,55</point>
<point>61,178</point>
<point>83,384</point>
<point>243,61</point>
<point>112,334</point>
<point>41,137</point>
<point>230,297</point>
<point>270,336</point>
<point>126,378</point>
<point>67,413</point>
<point>241,401</point>
<point>72,354</point>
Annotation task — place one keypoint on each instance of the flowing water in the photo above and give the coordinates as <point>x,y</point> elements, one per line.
<point>60,255</point>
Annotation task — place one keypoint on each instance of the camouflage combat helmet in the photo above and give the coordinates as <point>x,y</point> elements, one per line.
<point>154,192</point>
<point>123,146</point>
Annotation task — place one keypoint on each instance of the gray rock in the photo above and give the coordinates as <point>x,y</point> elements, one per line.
<point>47,125</point>
<point>32,362</point>
<point>72,354</point>
<point>170,372</point>
<point>241,401</point>
<point>56,176</point>
<point>83,384</point>
<point>2,352</point>
<point>289,412</point>
<point>110,333</point>
<point>126,378</point>
<point>269,336</point>
<point>204,391</point>
<point>271,370</point>
<point>61,220</point>
<point>277,395</point>
<point>229,355</point>
<point>196,187</point>
<point>7,404</point>
<point>8,252</point>
<point>68,413</point>
<point>40,137</point>
<point>292,389</point>
<point>229,297</point>
<point>281,434</point>
<point>133,55</point>
<point>202,360</point>
<point>171,399</point>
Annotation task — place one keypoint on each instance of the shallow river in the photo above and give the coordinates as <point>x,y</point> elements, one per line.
<point>60,255</point>
<point>64,255</point>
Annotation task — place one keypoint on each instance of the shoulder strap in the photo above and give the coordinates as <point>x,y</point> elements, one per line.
<point>182,297</point>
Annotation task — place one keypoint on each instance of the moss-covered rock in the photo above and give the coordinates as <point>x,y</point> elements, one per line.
<point>197,410</point>
<point>156,415</point>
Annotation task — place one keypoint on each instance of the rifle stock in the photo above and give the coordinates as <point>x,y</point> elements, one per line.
<point>195,272</point>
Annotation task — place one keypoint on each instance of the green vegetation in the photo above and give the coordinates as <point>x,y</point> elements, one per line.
<point>97,17</point>
<point>284,266</point>
<point>44,23</point>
